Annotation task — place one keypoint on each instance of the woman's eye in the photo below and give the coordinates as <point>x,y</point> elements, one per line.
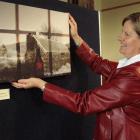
<point>127,34</point>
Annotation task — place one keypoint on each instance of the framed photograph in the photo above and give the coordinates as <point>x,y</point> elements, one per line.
<point>33,42</point>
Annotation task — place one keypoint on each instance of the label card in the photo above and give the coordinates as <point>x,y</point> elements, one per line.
<point>4,94</point>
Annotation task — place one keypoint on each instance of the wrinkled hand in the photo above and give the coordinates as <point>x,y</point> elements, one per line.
<point>73,26</point>
<point>29,83</point>
<point>74,31</point>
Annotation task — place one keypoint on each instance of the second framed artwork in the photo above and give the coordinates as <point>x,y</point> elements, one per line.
<point>33,42</point>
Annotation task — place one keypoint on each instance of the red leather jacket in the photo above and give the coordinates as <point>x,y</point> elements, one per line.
<point>116,102</point>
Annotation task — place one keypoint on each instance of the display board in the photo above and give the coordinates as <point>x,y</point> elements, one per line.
<point>25,116</point>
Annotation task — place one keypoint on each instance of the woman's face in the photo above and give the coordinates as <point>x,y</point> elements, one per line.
<point>129,40</point>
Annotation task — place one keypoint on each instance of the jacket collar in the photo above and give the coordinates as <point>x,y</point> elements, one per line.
<point>125,61</point>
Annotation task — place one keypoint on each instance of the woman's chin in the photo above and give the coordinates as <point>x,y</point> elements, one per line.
<point>121,51</point>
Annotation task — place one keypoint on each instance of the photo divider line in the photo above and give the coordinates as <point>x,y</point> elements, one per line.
<point>18,73</point>
<point>50,45</point>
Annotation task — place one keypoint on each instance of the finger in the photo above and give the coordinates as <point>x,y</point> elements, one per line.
<point>73,20</point>
<point>71,24</point>
<point>17,85</point>
<point>23,81</point>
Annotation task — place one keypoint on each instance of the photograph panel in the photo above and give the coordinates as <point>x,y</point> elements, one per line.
<point>60,56</point>
<point>7,16</point>
<point>33,19</point>
<point>34,55</point>
<point>8,57</point>
<point>59,22</point>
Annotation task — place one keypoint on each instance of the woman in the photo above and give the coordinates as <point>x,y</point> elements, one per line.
<point>117,101</point>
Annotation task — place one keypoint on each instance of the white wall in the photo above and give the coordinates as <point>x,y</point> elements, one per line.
<point>111,28</point>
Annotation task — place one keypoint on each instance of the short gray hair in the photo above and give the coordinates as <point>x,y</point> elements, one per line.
<point>135,19</point>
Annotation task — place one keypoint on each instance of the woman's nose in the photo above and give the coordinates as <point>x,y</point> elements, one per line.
<point>119,38</point>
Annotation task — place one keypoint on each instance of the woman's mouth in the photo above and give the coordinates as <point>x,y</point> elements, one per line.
<point>123,46</point>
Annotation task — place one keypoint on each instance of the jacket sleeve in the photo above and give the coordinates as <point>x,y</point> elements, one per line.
<point>117,93</point>
<point>94,61</point>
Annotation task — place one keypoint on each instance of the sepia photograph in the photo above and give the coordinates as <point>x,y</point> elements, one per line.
<point>33,42</point>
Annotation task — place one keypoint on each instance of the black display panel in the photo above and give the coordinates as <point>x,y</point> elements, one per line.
<point>26,116</point>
